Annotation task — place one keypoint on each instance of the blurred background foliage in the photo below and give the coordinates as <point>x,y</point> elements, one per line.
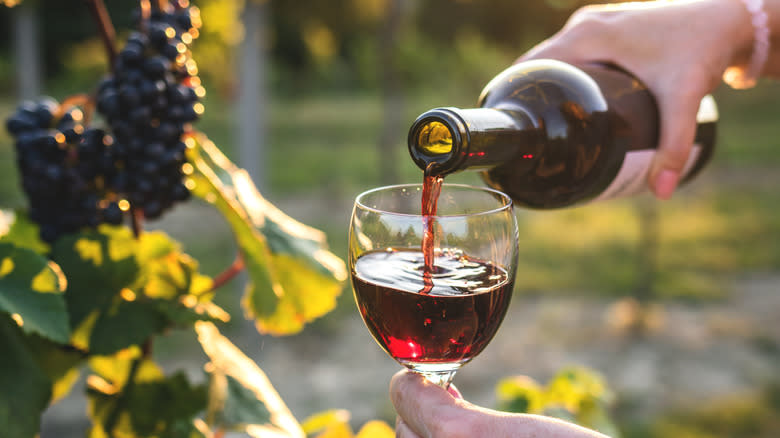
<point>331,66</point>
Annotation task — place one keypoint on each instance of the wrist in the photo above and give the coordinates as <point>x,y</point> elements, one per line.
<point>751,40</point>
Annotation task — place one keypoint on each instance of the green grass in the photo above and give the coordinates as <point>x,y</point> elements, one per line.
<point>738,416</point>
<point>748,128</point>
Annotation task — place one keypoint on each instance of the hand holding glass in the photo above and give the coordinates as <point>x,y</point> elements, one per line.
<point>433,320</point>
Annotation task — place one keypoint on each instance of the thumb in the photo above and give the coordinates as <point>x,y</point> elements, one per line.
<point>426,408</point>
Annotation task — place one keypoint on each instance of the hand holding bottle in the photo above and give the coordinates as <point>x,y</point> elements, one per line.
<point>679,49</point>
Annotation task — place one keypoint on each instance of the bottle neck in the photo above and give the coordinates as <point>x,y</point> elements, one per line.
<point>479,138</point>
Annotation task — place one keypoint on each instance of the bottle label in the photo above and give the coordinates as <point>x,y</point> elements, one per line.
<point>631,179</point>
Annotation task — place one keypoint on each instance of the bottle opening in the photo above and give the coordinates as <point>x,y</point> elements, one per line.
<point>434,138</point>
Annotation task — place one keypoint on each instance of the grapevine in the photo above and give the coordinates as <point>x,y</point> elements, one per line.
<point>76,174</point>
<point>79,290</point>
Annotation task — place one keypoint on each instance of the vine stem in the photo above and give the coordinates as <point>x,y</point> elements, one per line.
<point>106,27</point>
<point>160,5</point>
<point>229,273</point>
<point>137,220</point>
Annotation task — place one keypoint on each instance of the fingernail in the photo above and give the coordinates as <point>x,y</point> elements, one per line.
<point>665,183</point>
<point>454,392</point>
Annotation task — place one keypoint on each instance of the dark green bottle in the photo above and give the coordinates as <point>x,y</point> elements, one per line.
<point>552,135</point>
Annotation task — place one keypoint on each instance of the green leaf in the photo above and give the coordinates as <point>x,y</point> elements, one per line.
<point>233,405</point>
<point>31,290</point>
<point>17,228</point>
<point>124,324</point>
<point>149,407</point>
<point>98,264</point>
<point>168,272</point>
<point>115,369</point>
<point>60,363</point>
<point>230,407</point>
<point>26,389</point>
<point>293,277</point>
<point>181,293</point>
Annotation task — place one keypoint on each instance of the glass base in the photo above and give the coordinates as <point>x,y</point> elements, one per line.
<point>439,373</point>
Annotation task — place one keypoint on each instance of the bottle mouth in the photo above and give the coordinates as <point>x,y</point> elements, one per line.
<point>434,138</point>
<point>437,136</point>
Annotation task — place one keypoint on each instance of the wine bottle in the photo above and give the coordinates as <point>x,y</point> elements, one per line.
<point>550,134</point>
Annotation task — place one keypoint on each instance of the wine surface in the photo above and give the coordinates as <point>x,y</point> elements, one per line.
<point>451,322</point>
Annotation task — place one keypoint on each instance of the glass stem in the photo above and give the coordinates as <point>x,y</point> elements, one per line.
<point>442,379</point>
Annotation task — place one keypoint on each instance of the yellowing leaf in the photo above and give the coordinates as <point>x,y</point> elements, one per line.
<point>340,430</point>
<point>376,429</point>
<point>322,420</point>
<point>90,250</point>
<point>227,359</point>
<point>17,228</point>
<point>294,310</point>
<point>6,266</point>
<point>293,277</point>
<point>520,394</point>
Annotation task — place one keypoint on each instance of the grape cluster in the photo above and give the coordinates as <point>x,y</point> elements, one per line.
<point>150,102</point>
<point>76,175</point>
<point>65,166</point>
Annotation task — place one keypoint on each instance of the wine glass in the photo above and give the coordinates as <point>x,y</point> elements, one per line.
<point>433,319</point>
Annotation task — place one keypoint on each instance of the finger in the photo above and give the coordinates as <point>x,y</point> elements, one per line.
<point>677,132</point>
<point>402,430</point>
<point>455,392</point>
<point>423,406</point>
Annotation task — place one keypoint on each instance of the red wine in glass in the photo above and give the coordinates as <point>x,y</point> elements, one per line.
<point>432,270</point>
<point>448,321</point>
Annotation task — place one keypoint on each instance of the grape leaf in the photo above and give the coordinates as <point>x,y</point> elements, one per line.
<point>22,400</point>
<point>573,386</point>
<point>152,406</point>
<point>574,394</point>
<point>520,394</point>
<point>124,324</point>
<point>328,422</point>
<point>123,290</point>
<point>233,406</point>
<point>98,264</point>
<point>182,294</point>
<point>31,290</point>
<point>168,272</point>
<point>226,359</point>
<point>376,429</point>
<point>293,277</point>
<point>17,228</point>
<point>114,370</point>
<point>60,363</point>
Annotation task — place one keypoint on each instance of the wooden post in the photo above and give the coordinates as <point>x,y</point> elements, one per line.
<point>392,95</point>
<point>252,97</point>
<point>27,50</point>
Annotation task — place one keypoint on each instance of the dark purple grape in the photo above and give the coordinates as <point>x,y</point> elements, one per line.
<point>153,210</point>
<point>129,95</point>
<point>108,103</point>
<point>112,214</point>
